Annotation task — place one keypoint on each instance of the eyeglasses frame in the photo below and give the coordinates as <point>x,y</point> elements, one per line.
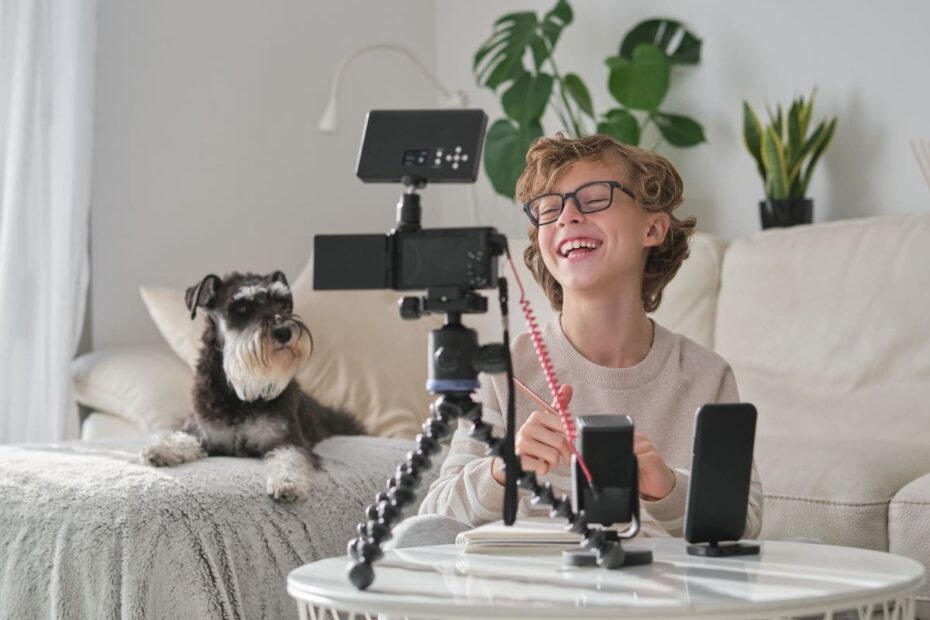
<point>567,195</point>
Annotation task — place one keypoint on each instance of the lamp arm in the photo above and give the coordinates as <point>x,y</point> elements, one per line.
<point>384,46</point>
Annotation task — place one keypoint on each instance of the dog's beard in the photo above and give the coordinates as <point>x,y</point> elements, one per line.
<point>258,367</point>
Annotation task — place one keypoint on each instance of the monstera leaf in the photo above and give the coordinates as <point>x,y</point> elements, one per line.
<point>573,87</point>
<point>621,125</point>
<point>505,153</point>
<point>639,82</point>
<point>500,59</point>
<point>678,44</point>
<point>526,99</point>
<point>678,130</point>
<point>551,26</point>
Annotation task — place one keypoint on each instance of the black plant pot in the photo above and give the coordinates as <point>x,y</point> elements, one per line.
<point>777,213</point>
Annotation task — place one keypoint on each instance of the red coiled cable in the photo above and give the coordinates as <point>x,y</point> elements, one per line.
<point>568,423</point>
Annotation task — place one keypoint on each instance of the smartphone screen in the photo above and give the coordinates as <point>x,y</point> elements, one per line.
<point>721,469</point>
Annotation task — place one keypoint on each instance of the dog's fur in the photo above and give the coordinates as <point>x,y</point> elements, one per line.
<point>246,400</point>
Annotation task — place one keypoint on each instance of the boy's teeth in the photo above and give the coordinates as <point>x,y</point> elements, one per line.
<point>568,246</point>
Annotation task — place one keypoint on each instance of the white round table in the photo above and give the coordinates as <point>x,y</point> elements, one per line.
<point>785,579</point>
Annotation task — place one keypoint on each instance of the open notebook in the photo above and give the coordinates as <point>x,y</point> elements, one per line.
<point>527,533</point>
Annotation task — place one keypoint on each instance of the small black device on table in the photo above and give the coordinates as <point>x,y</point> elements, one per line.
<point>606,443</point>
<point>718,488</point>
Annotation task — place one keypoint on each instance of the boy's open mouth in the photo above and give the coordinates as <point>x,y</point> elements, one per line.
<point>578,247</point>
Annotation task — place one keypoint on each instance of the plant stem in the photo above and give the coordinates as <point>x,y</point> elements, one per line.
<point>560,114</point>
<point>558,77</point>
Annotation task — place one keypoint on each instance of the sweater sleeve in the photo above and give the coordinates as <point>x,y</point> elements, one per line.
<point>465,489</point>
<point>669,512</point>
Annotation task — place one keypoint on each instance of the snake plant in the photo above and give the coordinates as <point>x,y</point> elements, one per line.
<point>782,147</point>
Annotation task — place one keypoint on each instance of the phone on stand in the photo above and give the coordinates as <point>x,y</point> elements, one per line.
<point>718,489</point>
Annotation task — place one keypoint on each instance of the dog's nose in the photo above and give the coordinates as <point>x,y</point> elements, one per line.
<point>281,334</point>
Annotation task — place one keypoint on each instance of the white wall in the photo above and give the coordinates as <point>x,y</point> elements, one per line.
<point>208,159</point>
<point>869,60</point>
<point>207,154</point>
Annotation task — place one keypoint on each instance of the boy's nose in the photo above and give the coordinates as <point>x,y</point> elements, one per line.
<point>570,213</point>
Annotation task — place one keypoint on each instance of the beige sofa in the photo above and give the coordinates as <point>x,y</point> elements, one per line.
<point>827,328</point>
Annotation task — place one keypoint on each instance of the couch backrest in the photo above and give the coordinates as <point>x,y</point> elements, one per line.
<point>828,327</point>
<point>688,302</point>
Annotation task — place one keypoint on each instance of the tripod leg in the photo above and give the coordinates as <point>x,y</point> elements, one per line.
<point>388,507</point>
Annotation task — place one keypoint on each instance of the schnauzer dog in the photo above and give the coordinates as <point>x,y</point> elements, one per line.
<point>246,401</point>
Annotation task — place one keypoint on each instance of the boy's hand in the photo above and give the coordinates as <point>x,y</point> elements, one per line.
<point>540,442</point>
<point>656,478</point>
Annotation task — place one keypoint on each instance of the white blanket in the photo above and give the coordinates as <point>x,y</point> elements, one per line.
<point>87,531</point>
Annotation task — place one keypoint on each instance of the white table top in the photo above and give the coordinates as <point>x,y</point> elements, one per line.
<point>786,578</point>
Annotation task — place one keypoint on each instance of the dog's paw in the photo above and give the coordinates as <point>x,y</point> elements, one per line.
<point>159,456</point>
<point>287,489</point>
<point>174,449</point>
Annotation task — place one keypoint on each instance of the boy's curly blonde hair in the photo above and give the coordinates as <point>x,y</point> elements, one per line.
<point>655,182</point>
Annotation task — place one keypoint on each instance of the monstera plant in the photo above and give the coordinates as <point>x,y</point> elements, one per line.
<point>785,155</point>
<point>518,62</point>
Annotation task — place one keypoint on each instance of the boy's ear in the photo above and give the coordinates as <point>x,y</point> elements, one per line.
<point>658,225</point>
<point>203,294</point>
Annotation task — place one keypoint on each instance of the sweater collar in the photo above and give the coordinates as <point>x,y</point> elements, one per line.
<point>574,364</point>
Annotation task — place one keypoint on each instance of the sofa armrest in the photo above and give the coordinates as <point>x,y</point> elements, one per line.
<point>147,386</point>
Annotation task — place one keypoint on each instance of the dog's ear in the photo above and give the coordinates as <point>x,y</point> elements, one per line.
<point>203,294</point>
<point>278,276</point>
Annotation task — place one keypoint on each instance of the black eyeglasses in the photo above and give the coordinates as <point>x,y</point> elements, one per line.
<point>590,198</point>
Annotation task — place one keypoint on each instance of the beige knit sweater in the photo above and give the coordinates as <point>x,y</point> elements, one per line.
<point>661,393</point>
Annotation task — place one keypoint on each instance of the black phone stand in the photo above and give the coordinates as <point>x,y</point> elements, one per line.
<point>717,550</point>
<point>587,557</point>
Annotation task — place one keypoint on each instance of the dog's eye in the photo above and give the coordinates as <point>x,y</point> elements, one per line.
<point>240,309</point>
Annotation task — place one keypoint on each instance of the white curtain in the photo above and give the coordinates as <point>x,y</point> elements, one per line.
<point>47,55</point>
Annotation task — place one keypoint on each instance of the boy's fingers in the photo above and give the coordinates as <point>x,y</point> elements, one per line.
<point>537,449</point>
<point>528,463</point>
<point>553,440</point>
<point>548,420</point>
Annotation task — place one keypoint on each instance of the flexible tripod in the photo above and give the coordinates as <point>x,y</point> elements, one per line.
<point>455,360</point>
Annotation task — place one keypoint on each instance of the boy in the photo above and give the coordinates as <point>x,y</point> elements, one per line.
<point>604,243</point>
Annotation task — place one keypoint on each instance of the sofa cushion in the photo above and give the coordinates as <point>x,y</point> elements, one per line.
<point>102,425</point>
<point>812,410</point>
<point>145,386</point>
<point>174,322</point>
<point>909,529</point>
<point>689,302</point>
<point>366,360</point>
<point>836,491</point>
<point>836,315</point>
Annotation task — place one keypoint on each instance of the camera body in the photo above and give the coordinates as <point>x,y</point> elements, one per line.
<point>409,260</point>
